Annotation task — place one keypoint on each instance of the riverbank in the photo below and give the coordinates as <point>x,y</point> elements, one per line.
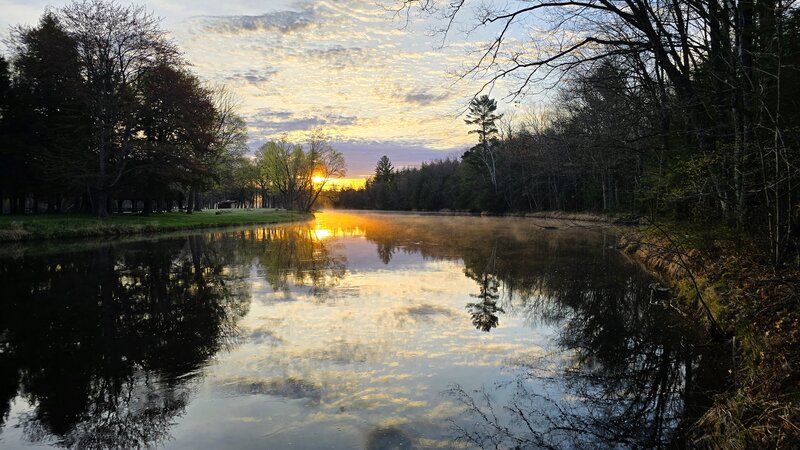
<point>63,226</point>
<point>753,305</point>
<point>607,218</point>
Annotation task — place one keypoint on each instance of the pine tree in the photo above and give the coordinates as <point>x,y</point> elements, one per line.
<point>384,171</point>
<point>482,113</point>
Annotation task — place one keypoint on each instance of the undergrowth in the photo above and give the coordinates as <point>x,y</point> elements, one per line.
<point>756,306</point>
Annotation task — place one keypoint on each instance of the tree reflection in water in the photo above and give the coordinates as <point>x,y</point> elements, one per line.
<point>628,370</point>
<point>104,343</point>
<point>294,256</point>
<point>484,313</point>
<point>627,373</point>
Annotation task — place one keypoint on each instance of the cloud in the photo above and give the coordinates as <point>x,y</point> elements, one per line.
<point>343,66</point>
<point>277,21</point>
<point>421,97</point>
<point>251,76</point>
<point>264,126</point>
<point>336,57</point>
<point>291,388</point>
<point>266,122</point>
<point>416,313</point>
<point>348,66</point>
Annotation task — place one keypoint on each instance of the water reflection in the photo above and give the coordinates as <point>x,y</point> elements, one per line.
<point>104,344</point>
<point>626,370</point>
<point>346,329</point>
<point>294,257</point>
<point>625,374</point>
<point>484,312</point>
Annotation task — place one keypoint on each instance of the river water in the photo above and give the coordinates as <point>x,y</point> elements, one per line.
<point>354,330</point>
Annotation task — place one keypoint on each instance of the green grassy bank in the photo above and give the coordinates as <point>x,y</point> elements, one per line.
<point>60,226</point>
<point>755,307</point>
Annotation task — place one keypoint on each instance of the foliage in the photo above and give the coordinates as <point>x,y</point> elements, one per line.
<point>384,171</point>
<point>297,175</point>
<point>482,114</point>
<point>694,80</point>
<point>98,106</point>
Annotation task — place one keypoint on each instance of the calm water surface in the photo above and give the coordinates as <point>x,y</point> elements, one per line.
<point>354,330</point>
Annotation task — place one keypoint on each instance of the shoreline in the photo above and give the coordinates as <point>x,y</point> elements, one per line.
<point>726,286</point>
<point>611,219</point>
<point>45,227</point>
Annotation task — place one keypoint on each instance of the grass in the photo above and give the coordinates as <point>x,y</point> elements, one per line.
<point>60,226</point>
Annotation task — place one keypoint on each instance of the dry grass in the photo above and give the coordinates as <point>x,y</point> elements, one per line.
<point>755,304</point>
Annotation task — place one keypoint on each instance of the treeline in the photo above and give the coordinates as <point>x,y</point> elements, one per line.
<point>588,155</point>
<point>700,124</point>
<point>100,113</point>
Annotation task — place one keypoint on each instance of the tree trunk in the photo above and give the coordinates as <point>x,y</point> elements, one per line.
<point>100,203</point>
<point>190,201</point>
<point>147,207</point>
<point>197,205</point>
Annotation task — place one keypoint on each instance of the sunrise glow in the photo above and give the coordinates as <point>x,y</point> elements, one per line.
<point>337,184</point>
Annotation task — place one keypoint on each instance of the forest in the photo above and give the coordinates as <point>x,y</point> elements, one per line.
<point>100,113</point>
<point>687,112</point>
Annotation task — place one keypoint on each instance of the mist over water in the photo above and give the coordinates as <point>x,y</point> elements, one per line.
<point>355,330</point>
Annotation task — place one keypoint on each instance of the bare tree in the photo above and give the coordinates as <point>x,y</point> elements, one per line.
<point>719,60</point>
<point>324,163</point>
<point>299,176</point>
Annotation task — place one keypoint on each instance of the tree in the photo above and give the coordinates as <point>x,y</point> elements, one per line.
<point>176,128</point>
<point>48,118</point>
<point>323,163</point>
<point>116,45</point>
<point>5,87</point>
<point>262,179</point>
<point>229,139</point>
<point>482,113</point>
<point>300,176</point>
<point>280,163</point>
<point>384,171</point>
<point>5,106</point>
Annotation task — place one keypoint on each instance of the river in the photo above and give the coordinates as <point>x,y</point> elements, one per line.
<point>354,330</point>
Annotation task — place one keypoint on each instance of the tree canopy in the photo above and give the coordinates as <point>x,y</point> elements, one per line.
<point>99,107</point>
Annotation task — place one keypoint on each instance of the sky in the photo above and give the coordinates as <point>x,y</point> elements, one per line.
<point>376,84</point>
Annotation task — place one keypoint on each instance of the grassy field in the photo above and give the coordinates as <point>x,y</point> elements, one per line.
<point>53,226</point>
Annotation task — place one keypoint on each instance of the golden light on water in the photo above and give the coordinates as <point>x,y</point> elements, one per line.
<point>322,233</point>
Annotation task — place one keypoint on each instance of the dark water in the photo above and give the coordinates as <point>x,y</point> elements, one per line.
<point>351,331</point>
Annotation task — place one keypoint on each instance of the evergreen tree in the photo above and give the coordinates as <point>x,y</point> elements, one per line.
<point>384,171</point>
<point>482,113</point>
